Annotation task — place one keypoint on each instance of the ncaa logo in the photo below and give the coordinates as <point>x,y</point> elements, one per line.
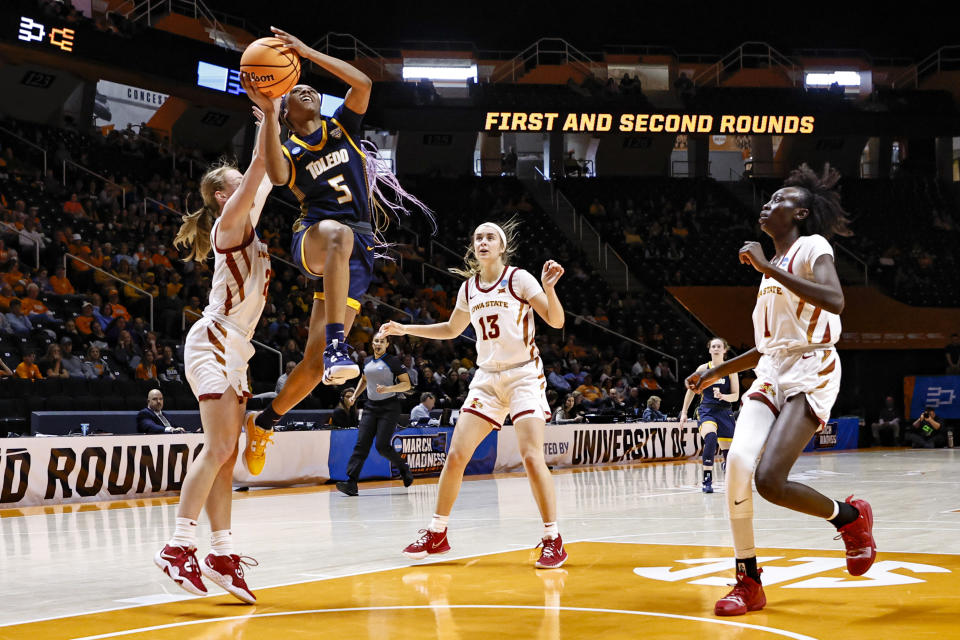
<point>796,571</point>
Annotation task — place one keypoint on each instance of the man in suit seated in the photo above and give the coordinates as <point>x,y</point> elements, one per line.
<point>151,418</point>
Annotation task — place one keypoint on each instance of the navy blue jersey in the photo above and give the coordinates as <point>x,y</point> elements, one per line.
<point>328,173</point>
<point>723,384</point>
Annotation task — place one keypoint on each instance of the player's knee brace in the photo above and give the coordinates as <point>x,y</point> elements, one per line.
<point>709,448</point>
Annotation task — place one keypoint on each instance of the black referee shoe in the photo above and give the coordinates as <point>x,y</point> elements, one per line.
<point>348,488</point>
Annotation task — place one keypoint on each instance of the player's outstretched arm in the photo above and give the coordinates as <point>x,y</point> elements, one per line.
<point>358,97</point>
<point>235,224</point>
<point>547,304</point>
<point>699,380</point>
<point>278,169</point>
<point>440,331</point>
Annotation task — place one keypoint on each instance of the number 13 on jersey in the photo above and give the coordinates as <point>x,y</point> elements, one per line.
<point>489,327</point>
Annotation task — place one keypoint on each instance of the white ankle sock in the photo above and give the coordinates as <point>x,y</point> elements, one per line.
<point>221,542</point>
<point>439,523</point>
<point>185,535</point>
<point>550,530</point>
<point>836,510</point>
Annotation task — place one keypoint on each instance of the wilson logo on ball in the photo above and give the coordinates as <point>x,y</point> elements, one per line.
<point>261,78</point>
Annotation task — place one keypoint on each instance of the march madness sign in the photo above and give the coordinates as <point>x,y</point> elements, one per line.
<point>425,454</point>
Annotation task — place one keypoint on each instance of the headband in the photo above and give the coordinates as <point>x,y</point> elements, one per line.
<point>503,236</point>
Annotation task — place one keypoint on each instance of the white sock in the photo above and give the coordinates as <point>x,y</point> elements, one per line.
<point>221,542</point>
<point>836,510</point>
<point>185,535</point>
<point>550,530</point>
<point>439,523</point>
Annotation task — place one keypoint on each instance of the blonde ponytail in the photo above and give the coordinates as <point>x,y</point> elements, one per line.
<point>194,233</point>
<point>471,266</point>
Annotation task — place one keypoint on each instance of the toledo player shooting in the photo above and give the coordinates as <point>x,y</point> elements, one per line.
<point>336,180</point>
<point>499,301</point>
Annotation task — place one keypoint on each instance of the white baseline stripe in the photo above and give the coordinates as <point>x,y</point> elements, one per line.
<point>652,614</point>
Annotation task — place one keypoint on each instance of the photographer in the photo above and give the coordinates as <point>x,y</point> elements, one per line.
<point>926,432</point>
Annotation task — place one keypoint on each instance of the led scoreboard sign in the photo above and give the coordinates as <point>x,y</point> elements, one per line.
<point>32,31</point>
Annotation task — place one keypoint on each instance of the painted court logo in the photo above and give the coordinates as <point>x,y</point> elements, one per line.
<point>793,573</point>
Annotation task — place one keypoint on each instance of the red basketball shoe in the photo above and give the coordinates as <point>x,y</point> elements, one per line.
<point>858,537</point>
<point>746,595</point>
<point>227,572</point>
<point>429,543</point>
<point>552,555</point>
<point>180,563</point>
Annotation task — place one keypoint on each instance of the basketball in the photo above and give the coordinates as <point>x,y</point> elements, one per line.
<point>273,66</point>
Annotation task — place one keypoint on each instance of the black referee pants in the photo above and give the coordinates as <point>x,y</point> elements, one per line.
<point>378,422</point>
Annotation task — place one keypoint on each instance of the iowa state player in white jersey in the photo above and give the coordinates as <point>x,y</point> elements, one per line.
<point>499,300</point>
<point>796,323</point>
<point>216,353</point>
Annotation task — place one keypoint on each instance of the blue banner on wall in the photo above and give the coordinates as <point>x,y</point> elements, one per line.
<point>836,434</point>
<point>942,393</point>
<point>424,448</point>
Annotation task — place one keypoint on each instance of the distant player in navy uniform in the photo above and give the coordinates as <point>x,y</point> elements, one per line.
<point>715,413</point>
<point>325,166</point>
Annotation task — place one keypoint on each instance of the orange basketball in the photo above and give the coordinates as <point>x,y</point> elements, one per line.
<point>273,66</point>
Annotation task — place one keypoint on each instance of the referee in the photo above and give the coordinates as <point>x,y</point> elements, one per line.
<point>385,378</point>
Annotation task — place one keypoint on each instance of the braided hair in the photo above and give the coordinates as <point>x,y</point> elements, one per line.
<point>822,199</point>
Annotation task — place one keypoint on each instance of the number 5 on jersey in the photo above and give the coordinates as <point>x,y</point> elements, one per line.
<point>490,328</point>
<point>337,183</point>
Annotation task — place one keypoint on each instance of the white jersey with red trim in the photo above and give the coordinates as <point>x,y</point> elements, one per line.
<point>238,290</point>
<point>502,317</point>
<point>782,321</point>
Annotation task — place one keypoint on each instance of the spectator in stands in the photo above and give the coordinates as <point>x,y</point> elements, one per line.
<point>888,420</point>
<point>664,374</point>
<point>456,385</point>
<point>95,366</point>
<point>346,415</point>
<point>575,376</point>
<point>282,380</point>
<point>28,370</point>
<point>926,431</point>
<point>412,370</point>
<point>6,295</point>
<point>113,308</point>
<point>652,413</point>
<point>168,367</point>
<point>30,238</point>
<point>51,366</point>
<point>428,384</point>
<point>69,361</point>
<point>85,319</point>
<point>567,413</point>
<point>97,337</point>
<point>590,392</point>
<point>19,323</point>
<point>952,355</point>
<point>421,412</point>
<point>151,418</point>
<point>146,368</point>
<point>125,352</point>
<point>60,284</point>
<point>73,207</point>
<point>33,307</point>
<point>632,402</point>
<point>555,380</point>
<point>5,327</point>
<point>362,330</point>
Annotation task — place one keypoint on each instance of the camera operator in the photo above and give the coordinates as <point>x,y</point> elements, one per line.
<point>926,432</point>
